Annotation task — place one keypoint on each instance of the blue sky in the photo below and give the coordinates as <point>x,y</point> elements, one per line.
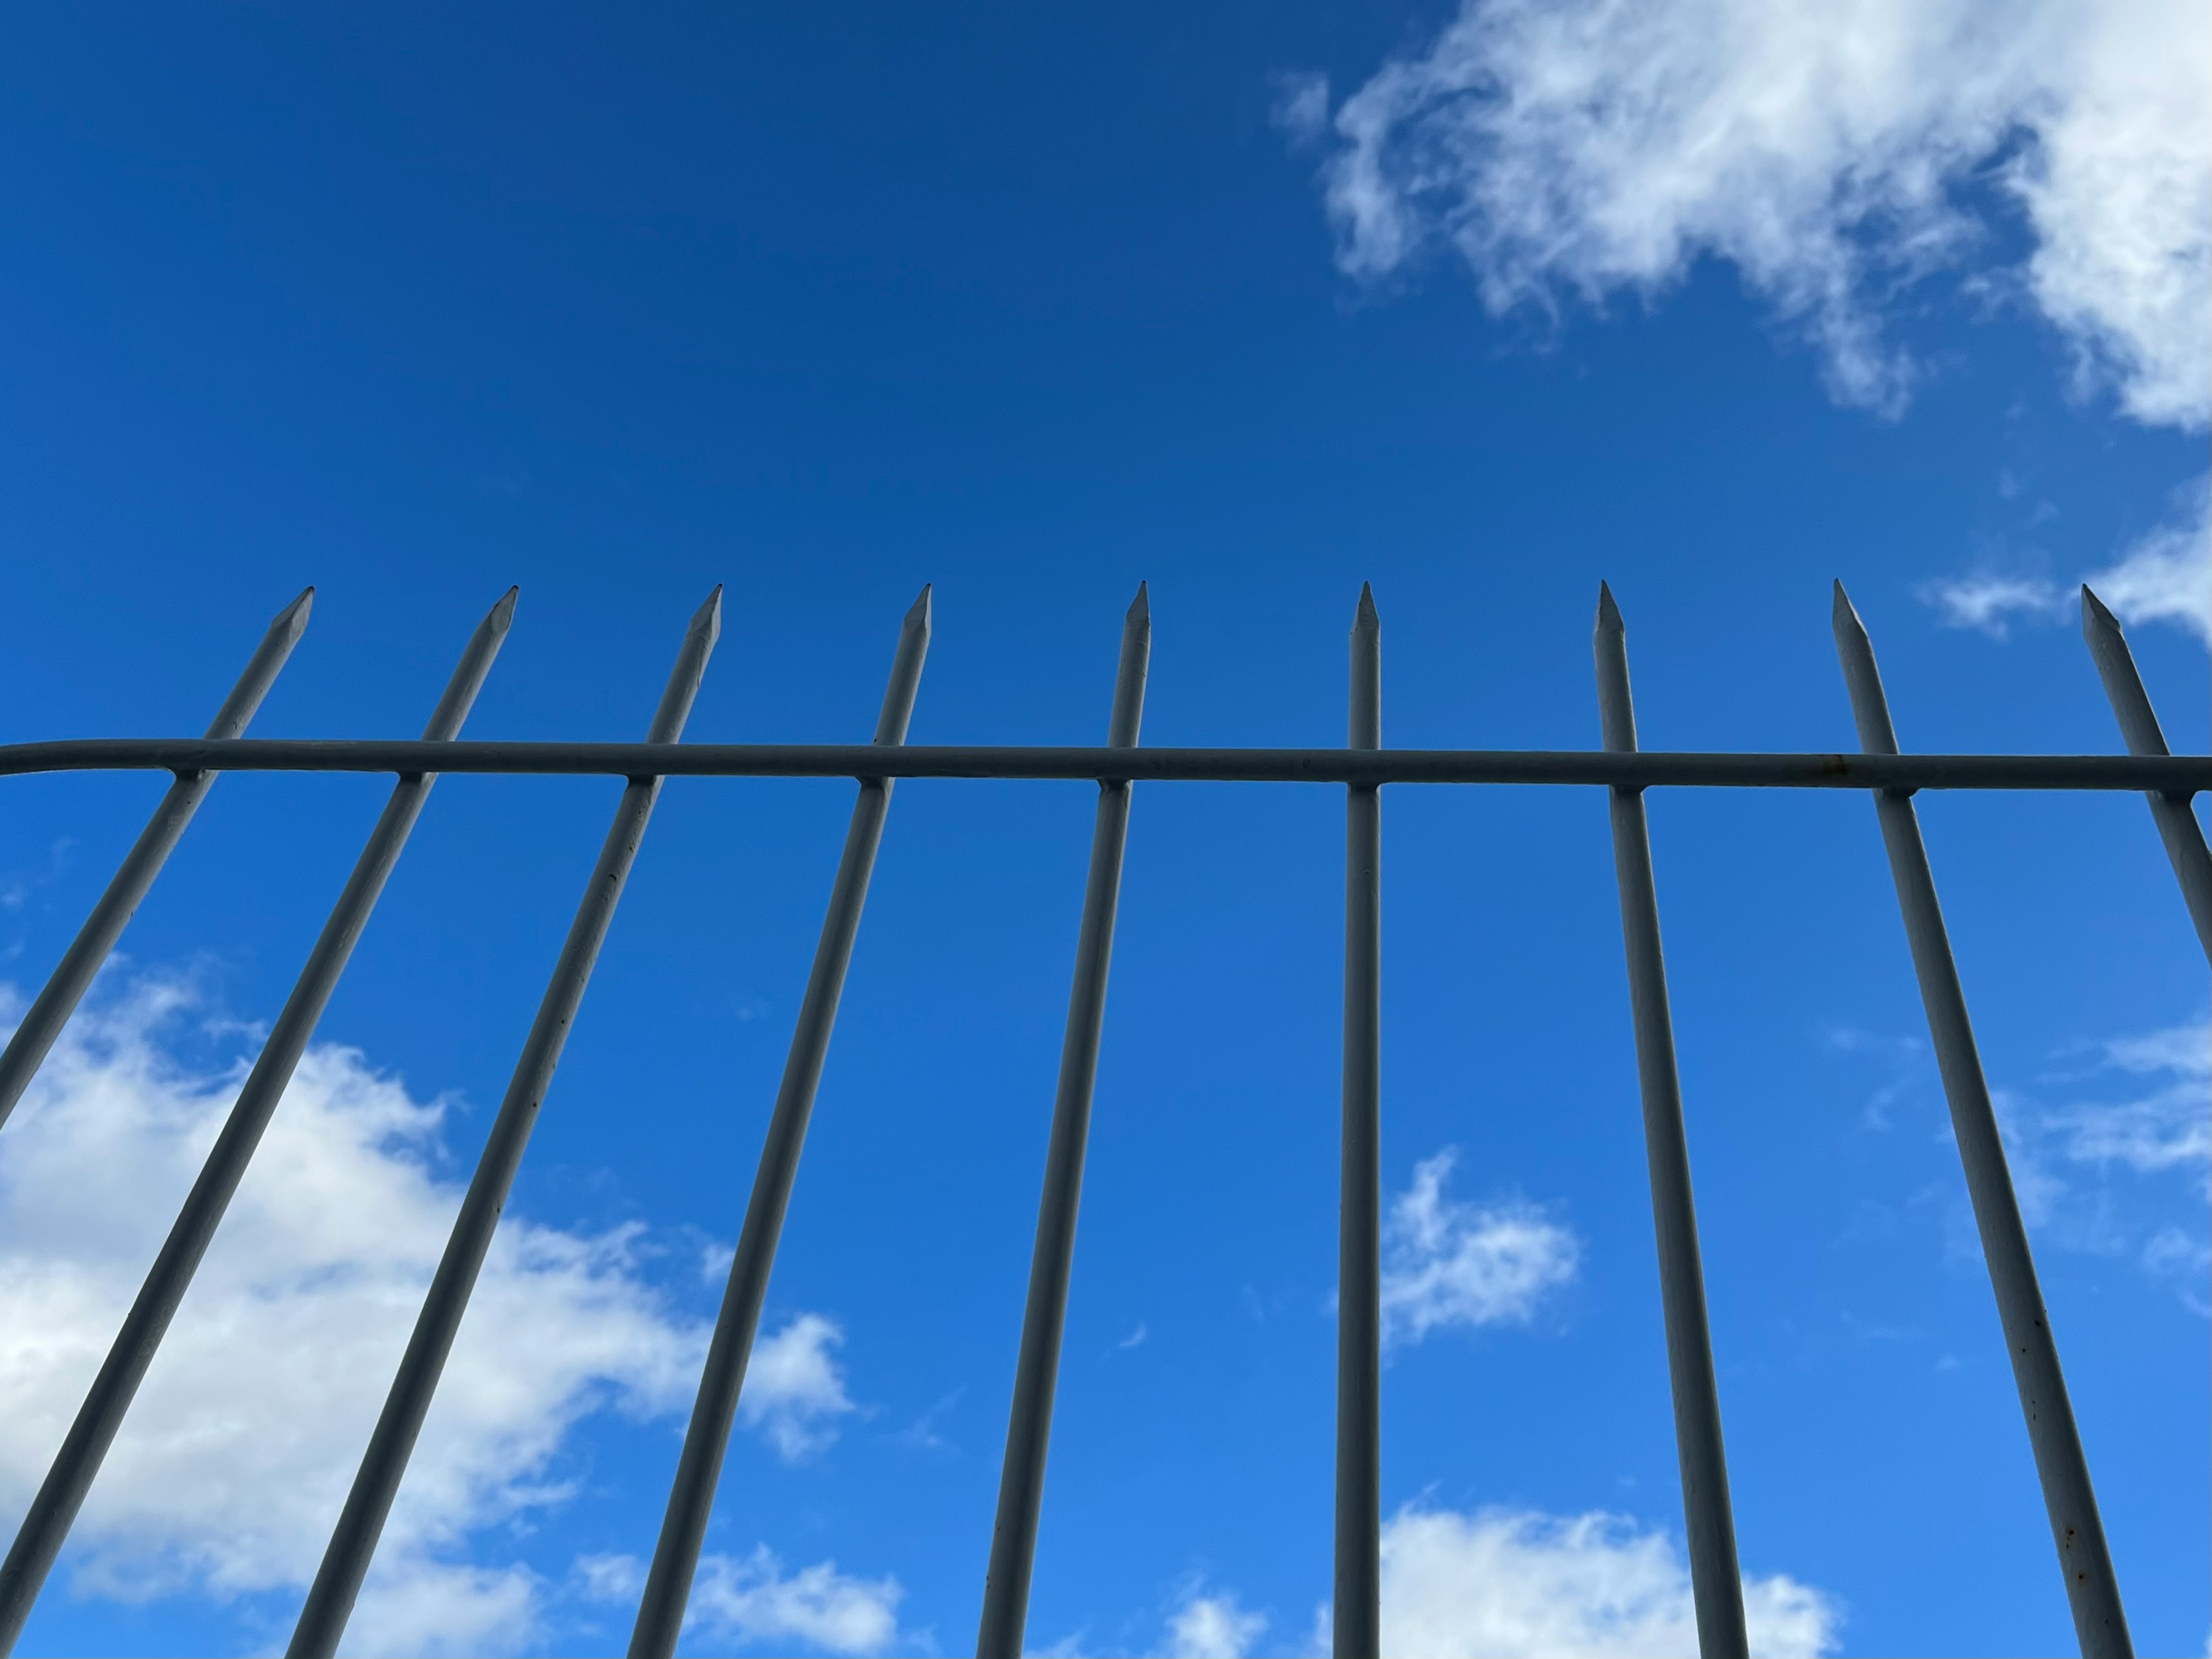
<point>1716,301</point>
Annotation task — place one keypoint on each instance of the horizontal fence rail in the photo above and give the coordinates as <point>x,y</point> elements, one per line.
<point>2169,775</point>
<point>1362,768</point>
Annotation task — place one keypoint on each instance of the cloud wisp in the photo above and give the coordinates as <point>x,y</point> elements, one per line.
<point>1508,1583</point>
<point>231,1469</point>
<point>2166,1128</point>
<point>1213,1626</point>
<point>1502,1583</point>
<point>794,1391</point>
<point>1834,156</point>
<point>751,1600</point>
<point>1448,1263</point>
<point>2165,576</point>
<point>2136,1115</point>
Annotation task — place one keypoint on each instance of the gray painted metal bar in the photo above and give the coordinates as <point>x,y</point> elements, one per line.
<point>1358,1577</point>
<point>1044,1317</point>
<point>698,1471</point>
<point>346,1559</point>
<point>1708,1516</point>
<point>99,1418</point>
<point>2177,825</point>
<point>2100,1624</point>
<point>42,1024</point>
<point>2181,775</point>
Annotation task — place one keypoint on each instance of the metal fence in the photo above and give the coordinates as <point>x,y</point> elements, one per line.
<point>1362,768</point>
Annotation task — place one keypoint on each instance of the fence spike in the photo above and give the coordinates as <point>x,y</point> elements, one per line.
<point>2100,1623</point>
<point>2177,825</point>
<point>345,1559</point>
<point>43,1021</point>
<point>1708,1515</point>
<point>707,1438</point>
<point>1044,1316</point>
<point>1358,1616</point>
<point>98,1419</point>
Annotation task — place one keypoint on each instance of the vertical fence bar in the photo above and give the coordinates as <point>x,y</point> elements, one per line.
<point>1044,1319</point>
<point>345,1559</point>
<point>55,1507</point>
<point>2100,1624</point>
<point>1707,1513</point>
<point>2177,824</point>
<point>692,1497</point>
<point>28,1048</point>
<point>1358,1586</point>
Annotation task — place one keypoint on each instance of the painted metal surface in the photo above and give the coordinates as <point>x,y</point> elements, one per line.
<point>346,1559</point>
<point>65,987</point>
<point>1709,1517</point>
<point>1357,1626</point>
<point>707,1438</point>
<point>1044,1316</point>
<point>2092,1590</point>
<point>98,1419</point>
<point>2177,824</point>
<point>2180,774</point>
<point>1362,768</point>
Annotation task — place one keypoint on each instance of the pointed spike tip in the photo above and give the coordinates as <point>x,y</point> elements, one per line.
<point>709,615</point>
<point>502,614</point>
<point>2096,615</point>
<point>1843,613</point>
<point>918,614</point>
<point>1368,616</point>
<point>296,613</point>
<point>1140,608</point>
<point>1608,613</point>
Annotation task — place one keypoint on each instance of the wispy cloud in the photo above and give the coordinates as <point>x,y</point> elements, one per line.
<point>752,1600</point>
<point>2168,1128</point>
<point>1834,156</point>
<point>1906,1058</point>
<point>2137,1111</point>
<point>1987,602</point>
<point>1447,1263</point>
<point>1505,1583</point>
<point>228,1474</point>
<point>2165,576</point>
<point>795,1390</point>
<point>2168,576</point>
<point>1515,1584</point>
<point>1213,1626</point>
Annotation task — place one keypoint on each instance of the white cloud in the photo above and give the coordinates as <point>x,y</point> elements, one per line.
<point>2173,1254</point>
<point>2137,1117</point>
<point>2168,1128</point>
<point>752,1601</point>
<point>794,1391</point>
<point>2185,1050</point>
<point>2168,576</point>
<point>1214,1628</point>
<point>231,1466</point>
<point>1501,1583</point>
<point>610,1577</point>
<point>2164,577</point>
<point>1833,154</point>
<point>1447,1263</point>
<point>1987,602</point>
